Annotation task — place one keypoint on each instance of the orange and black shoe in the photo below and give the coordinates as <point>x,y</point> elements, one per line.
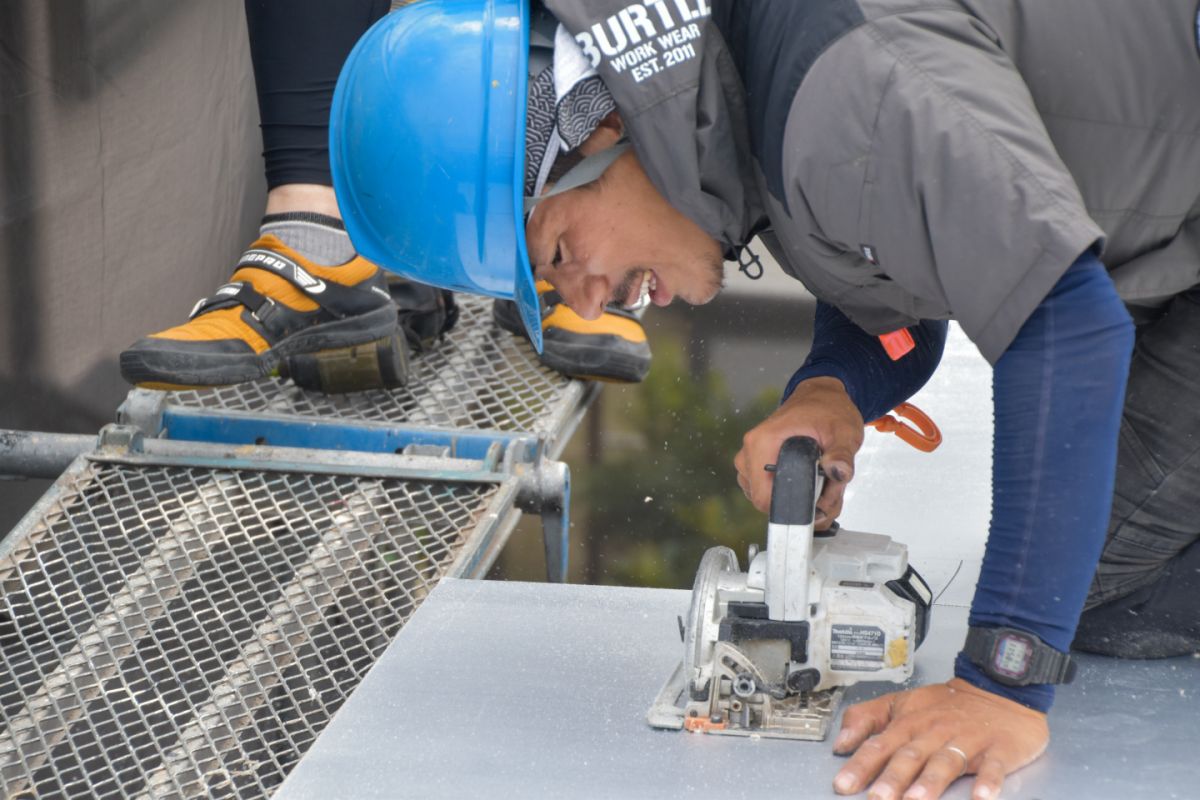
<point>612,348</point>
<point>277,304</point>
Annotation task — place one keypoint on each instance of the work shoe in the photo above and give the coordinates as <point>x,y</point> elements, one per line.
<point>277,304</point>
<point>612,348</point>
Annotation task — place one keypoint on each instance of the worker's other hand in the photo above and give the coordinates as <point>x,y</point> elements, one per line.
<point>914,744</point>
<point>818,408</point>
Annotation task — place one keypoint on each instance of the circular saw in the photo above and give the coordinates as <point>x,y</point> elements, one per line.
<point>769,651</point>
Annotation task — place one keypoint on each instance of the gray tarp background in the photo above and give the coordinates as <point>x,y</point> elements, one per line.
<point>130,177</point>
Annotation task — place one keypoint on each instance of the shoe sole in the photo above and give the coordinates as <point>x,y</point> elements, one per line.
<point>601,357</point>
<point>168,369</point>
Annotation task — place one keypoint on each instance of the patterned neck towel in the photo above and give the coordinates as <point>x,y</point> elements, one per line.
<point>567,102</point>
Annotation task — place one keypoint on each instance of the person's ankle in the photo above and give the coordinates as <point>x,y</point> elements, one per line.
<point>320,238</point>
<point>312,197</point>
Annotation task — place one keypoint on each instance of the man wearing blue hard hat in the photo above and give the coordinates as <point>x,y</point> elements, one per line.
<point>301,302</point>
<point>1027,167</point>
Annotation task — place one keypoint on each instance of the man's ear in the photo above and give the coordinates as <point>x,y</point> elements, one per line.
<point>607,133</point>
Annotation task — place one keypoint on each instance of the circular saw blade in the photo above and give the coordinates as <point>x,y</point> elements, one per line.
<point>704,622</point>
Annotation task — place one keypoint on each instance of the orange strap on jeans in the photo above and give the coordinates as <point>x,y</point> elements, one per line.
<point>925,436</point>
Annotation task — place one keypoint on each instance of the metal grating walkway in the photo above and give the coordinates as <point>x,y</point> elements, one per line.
<point>479,377</point>
<point>193,600</point>
<point>176,631</point>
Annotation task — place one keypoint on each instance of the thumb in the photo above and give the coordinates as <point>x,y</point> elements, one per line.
<point>838,463</point>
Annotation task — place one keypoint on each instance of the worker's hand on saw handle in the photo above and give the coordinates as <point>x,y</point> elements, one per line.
<point>912,745</point>
<point>818,408</point>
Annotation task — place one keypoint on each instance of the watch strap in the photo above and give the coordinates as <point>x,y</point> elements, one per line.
<point>1044,665</point>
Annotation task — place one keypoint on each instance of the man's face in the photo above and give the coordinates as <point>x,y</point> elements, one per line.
<point>597,244</point>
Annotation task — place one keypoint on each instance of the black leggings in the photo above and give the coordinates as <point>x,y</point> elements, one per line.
<point>1156,621</point>
<point>298,47</point>
<point>1145,599</point>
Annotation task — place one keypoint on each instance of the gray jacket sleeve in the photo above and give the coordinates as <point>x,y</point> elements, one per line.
<point>960,197</point>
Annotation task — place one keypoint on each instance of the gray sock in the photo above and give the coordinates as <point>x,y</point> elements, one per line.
<point>319,238</point>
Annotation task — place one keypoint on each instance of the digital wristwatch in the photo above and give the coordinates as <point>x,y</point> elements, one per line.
<point>1016,658</point>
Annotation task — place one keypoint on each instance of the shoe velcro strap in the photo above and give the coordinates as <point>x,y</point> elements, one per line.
<point>286,268</point>
<point>275,321</point>
<point>229,295</point>
<point>334,299</point>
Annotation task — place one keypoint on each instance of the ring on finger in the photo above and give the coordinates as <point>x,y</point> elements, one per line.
<point>959,752</point>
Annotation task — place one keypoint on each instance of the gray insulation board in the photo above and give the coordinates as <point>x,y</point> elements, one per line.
<point>529,690</point>
<point>521,690</point>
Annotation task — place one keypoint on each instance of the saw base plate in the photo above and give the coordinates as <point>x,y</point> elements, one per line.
<point>805,717</point>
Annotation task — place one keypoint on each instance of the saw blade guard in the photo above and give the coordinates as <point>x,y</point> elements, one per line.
<point>704,615</point>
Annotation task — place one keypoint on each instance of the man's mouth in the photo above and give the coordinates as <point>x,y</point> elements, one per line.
<point>645,291</point>
<point>648,285</point>
<point>636,290</point>
<point>660,295</point>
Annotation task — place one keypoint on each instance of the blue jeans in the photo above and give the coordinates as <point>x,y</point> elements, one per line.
<point>1144,601</point>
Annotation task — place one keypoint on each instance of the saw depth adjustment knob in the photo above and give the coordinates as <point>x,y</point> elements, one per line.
<point>744,685</point>
<point>803,680</point>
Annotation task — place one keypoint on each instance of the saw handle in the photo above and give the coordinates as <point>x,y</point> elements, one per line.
<point>797,474</point>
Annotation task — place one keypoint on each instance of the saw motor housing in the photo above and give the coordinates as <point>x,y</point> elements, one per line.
<point>864,615</point>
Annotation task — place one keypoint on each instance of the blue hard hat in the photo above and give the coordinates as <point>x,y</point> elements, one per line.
<point>427,147</point>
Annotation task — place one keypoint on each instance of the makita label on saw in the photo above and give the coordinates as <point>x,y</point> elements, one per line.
<point>856,647</point>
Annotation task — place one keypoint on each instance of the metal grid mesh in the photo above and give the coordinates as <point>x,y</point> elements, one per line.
<point>480,377</point>
<point>180,632</point>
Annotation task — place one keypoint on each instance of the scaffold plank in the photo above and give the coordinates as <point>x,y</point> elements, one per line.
<point>174,630</point>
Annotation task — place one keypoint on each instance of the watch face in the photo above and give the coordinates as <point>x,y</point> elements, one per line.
<point>1012,656</point>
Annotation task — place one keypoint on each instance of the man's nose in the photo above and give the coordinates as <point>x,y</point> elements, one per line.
<point>591,299</point>
<point>586,297</point>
